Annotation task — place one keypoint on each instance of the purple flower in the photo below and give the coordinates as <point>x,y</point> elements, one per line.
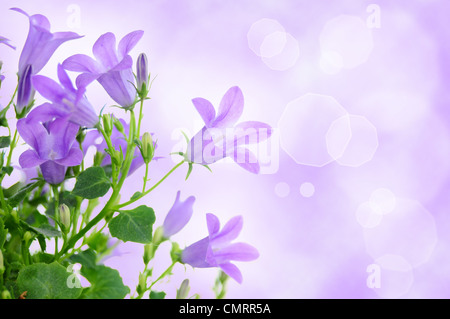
<point>67,101</point>
<point>178,216</point>
<point>38,49</point>
<point>142,77</point>
<point>118,141</point>
<point>216,250</point>
<point>53,147</point>
<point>221,138</point>
<point>112,67</point>
<point>5,41</point>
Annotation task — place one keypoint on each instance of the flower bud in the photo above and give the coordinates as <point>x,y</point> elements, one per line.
<point>148,253</point>
<point>25,93</point>
<point>142,75</point>
<point>182,293</point>
<point>27,237</point>
<point>64,217</point>
<point>148,148</point>
<point>118,124</point>
<point>107,124</point>
<point>6,294</point>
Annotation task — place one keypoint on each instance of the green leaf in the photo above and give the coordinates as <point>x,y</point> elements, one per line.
<point>157,294</point>
<point>5,141</point>
<point>46,281</point>
<point>106,283</point>
<point>133,225</point>
<point>46,230</point>
<point>7,170</point>
<point>92,183</point>
<point>17,198</point>
<point>136,195</point>
<point>87,258</point>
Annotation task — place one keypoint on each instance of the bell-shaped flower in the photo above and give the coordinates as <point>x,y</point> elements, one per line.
<point>221,137</point>
<point>217,249</point>
<point>178,216</point>
<point>37,51</point>
<point>54,147</point>
<point>112,67</point>
<point>66,101</point>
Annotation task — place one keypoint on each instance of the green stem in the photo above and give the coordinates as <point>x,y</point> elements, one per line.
<point>164,274</point>
<point>145,178</point>
<point>138,134</point>
<point>109,207</point>
<point>150,189</point>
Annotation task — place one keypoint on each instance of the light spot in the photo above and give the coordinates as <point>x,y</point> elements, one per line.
<point>304,125</point>
<point>358,135</point>
<point>367,217</point>
<point>307,189</point>
<point>264,35</point>
<point>282,189</point>
<point>408,231</point>
<point>382,201</point>
<point>397,276</point>
<point>287,58</point>
<point>349,37</point>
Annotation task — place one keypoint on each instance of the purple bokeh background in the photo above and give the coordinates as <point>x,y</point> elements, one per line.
<point>358,170</point>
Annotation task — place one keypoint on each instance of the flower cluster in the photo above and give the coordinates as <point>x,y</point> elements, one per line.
<point>56,203</point>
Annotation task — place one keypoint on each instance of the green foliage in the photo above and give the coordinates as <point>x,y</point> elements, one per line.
<point>134,225</point>
<point>92,183</point>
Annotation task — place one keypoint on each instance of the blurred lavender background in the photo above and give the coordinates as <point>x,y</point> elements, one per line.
<point>353,197</point>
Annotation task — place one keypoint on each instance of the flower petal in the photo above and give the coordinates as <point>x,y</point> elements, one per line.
<point>45,113</point>
<point>30,159</point>
<point>213,224</point>
<point>128,42</point>
<point>73,158</point>
<point>237,252</point>
<point>52,172</point>
<point>105,50</point>
<point>228,233</point>
<point>48,88</point>
<point>84,79</point>
<point>205,109</point>
<point>246,159</point>
<point>251,132</point>
<point>230,109</point>
<point>178,216</point>
<point>232,271</point>
<point>81,63</point>
<point>195,254</point>
<point>64,79</point>
<point>35,135</point>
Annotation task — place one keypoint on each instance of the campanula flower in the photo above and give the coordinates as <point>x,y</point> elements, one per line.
<point>112,67</point>
<point>66,101</point>
<point>54,147</point>
<point>178,216</point>
<point>214,141</point>
<point>217,249</point>
<point>37,51</point>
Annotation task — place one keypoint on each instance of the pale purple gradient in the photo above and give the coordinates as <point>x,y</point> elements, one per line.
<point>310,247</point>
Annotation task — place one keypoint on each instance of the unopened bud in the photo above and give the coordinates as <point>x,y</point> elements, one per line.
<point>6,294</point>
<point>182,293</point>
<point>118,124</point>
<point>148,148</point>
<point>142,75</point>
<point>107,124</point>
<point>142,287</point>
<point>27,237</point>
<point>148,253</point>
<point>64,217</point>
